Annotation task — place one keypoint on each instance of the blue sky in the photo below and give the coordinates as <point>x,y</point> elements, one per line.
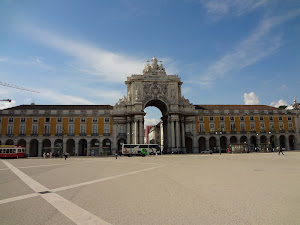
<point>80,52</point>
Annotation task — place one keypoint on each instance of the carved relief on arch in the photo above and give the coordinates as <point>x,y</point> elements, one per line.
<point>155,90</point>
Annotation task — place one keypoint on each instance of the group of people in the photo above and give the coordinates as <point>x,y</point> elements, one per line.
<point>50,155</point>
<point>47,155</point>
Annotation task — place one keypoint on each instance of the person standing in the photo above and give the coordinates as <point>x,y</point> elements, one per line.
<point>66,155</point>
<point>280,150</point>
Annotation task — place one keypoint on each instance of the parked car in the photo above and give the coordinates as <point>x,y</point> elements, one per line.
<point>207,152</point>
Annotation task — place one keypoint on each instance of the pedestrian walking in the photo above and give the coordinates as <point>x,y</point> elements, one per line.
<point>280,150</point>
<point>66,155</point>
<point>44,155</point>
<point>116,154</point>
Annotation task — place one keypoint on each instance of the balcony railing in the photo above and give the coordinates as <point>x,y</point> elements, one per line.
<point>232,132</point>
<point>34,134</point>
<point>262,131</point>
<point>71,134</point>
<point>22,134</point>
<point>243,132</point>
<point>58,134</point>
<point>281,131</point>
<point>106,134</point>
<point>121,134</point>
<point>9,135</point>
<point>82,134</point>
<point>46,134</point>
<point>94,134</point>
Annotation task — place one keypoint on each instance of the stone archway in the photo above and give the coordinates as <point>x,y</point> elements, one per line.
<point>155,88</point>
<point>121,141</point>
<point>71,147</point>
<point>212,143</point>
<point>292,142</point>
<point>9,142</point>
<point>82,147</point>
<point>202,144</point>
<point>34,148</point>
<point>282,141</point>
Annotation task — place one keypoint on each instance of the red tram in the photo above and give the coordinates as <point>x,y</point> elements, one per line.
<point>12,151</point>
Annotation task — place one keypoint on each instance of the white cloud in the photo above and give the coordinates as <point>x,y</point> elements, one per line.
<point>59,98</point>
<point>3,59</point>
<point>5,105</point>
<point>151,121</point>
<point>221,8</point>
<point>278,103</point>
<point>252,49</point>
<point>251,99</point>
<point>114,67</point>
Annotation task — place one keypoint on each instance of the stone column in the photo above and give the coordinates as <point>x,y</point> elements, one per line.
<point>28,148</point>
<point>88,150</point>
<point>136,132</point>
<point>76,147</point>
<point>173,133</point>
<point>114,138</point>
<point>65,145</point>
<point>40,147</point>
<point>207,143</point>
<point>195,141</point>
<point>141,132</point>
<point>182,134</point>
<point>169,135</point>
<point>178,135</point>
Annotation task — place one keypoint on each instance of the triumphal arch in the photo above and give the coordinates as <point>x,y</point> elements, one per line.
<point>155,88</point>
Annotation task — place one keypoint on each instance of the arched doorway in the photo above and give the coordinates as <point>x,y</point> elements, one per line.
<point>202,144</point>
<point>253,141</point>
<point>71,147</point>
<point>10,142</point>
<point>213,143</point>
<point>223,142</point>
<point>82,147</point>
<point>282,141</point>
<point>34,148</point>
<point>22,143</point>
<point>189,145</point>
<point>263,143</point>
<point>106,144</point>
<point>120,143</point>
<point>233,140</point>
<point>243,140</point>
<point>58,145</point>
<point>161,129</point>
<point>292,142</point>
<point>46,146</point>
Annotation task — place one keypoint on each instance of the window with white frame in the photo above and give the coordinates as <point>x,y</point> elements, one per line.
<point>212,127</point>
<point>82,129</point>
<point>261,118</point>
<point>83,119</point>
<point>71,119</point>
<point>232,118</point>
<point>281,126</point>
<point>34,129</point>
<point>95,120</point>
<point>242,118</point>
<point>252,126</point>
<point>106,119</point>
<point>71,130</point>
<point>22,130</point>
<point>59,119</point>
<point>251,118</point>
<point>201,118</point>
<point>271,126</point>
<point>290,126</point>
<point>10,120</point>
<point>95,129</point>
<point>35,120</point>
<point>59,129</point>
<point>106,128</point>
<point>23,120</point>
<point>10,130</point>
<point>242,127</point>
<point>211,118</point>
<point>222,127</point>
<point>47,129</point>
<point>47,120</point>
<point>289,118</point>
<point>222,118</point>
<point>280,118</point>
<point>262,127</point>
<point>201,127</point>
<point>232,127</point>
<point>271,118</point>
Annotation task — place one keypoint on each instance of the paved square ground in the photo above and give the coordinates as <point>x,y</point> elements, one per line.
<point>255,188</point>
